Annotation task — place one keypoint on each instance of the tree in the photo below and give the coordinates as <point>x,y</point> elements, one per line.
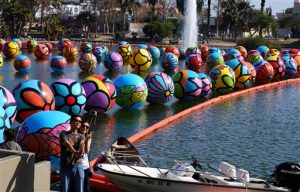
<point>208,16</point>
<point>54,28</point>
<point>162,29</point>
<point>180,5</point>
<point>153,4</point>
<point>263,22</point>
<point>262,7</point>
<point>125,5</point>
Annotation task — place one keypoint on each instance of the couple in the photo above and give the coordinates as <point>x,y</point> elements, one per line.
<point>74,163</point>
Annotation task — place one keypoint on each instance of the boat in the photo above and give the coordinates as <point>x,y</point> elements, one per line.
<point>136,176</point>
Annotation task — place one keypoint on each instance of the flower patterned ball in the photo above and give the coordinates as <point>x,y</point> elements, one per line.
<point>97,95</point>
<point>4,123</point>
<point>41,51</point>
<point>204,49</point>
<point>50,46</point>
<point>188,85</point>
<point>154,51</point>
<point>70,52</point>
<point>173,50</point>
<point>18,41</point>
<point>2,42</point>
<point>264,72</point>
<point>86,47</point>
<point>273,52</point>
<point>278,66</point>
<point>290,67</point>
<point>123,43</point>
<point>32,96</point>
<point>206,90</point>
<point>132,91</point>
<point>58,63</point>
<point>264,50</point>
<point>110,87</point>
<point>69,96</point>
<point>232,54</point>
<point>64,42</point>
<point>22,63</point>
<point>125,52</point>
<point>8,103</point>
<point>191,50</point>
<point>113,61</point>
<point>181,51</point>
<point>297,59</point>
<point>31,44</point>
<point>1,60</point>
<point>142,46</point>
<point>222,79</point>
<point>243,51</point>
<point>87,62</point>
<point>141,60</point>
<point>252,70</point>
<point>215,50</point>
<point>242,73</point>
<point>294,52</point>
<point>100,52</point>
<point>160,88</point>
<point>169,61</point>
<point>40,134</point>
<point>254,56</point>
<point>11,49</point>
<point>193,62</point>
<point>214,59</point>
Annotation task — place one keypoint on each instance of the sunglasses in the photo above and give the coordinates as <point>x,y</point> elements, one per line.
<point>85,126</point>
<point>77,120</point>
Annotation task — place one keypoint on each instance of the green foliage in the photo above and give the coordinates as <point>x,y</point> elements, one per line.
<point>164,30</point>
<point>180,5</point>
<point>253,43</point>
<point>54,26</point>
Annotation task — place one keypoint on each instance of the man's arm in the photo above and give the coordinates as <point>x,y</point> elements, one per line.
<point>69,147</point>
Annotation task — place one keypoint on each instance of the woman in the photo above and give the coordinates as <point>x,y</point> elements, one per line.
<point>9,142</point>
<point>84,161</point>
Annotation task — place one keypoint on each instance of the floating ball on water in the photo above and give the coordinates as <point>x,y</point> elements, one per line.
<point>123,43</point>
<point>294,52</point>
<point>31,44</point>
<point>154,51</point>
<point>32,96</point>
<point>18,41</point>
<point>206,90</point>
<point>188,85</point>
<point>290,67</point>
<point>214,59</point>
<point>273,52</point>
<point>8,103</point>
<point>181,51</point>
<point>215,50</point>
<point>173,50</point>
<point>222,79</point>
<point>2,42</point>
<point>50,46</point>
<point>113,61</point>
<point>263,50</point>
<point>87,62</point>
<point>142,46</point>
<point>141,59</point>
<point>131,91</point>
<point>1,60</point>
<point>264,72</point>
<point>58,63</point>
<point>169,61</point>
<point>278,66</point>
<point>193,62</point>
<point>243,51</point>
<point>97,95</point>
<point>11,49</point>
<point>86,47</point>
<point>204,49</point>
<point>41,51</point>
<point>242,73</point>
<point>253,56</point>
<point>232,54</point>
<point>22,63</point>
<point>4,123</point>
<point>125,51</point>
<point>160,88</point>
<point>64,42</point>
<point>70,52</point>
<point>191,50</point>
<point>69,96</point>
<point>100,52</point>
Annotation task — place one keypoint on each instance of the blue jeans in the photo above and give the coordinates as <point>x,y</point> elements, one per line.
<point>72,179</point>
<point>87,180</point>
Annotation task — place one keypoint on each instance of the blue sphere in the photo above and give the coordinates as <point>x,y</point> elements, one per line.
<point>169,61</point>
<point>154,51</point>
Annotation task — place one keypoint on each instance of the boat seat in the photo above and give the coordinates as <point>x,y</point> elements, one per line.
<point>122,147</point>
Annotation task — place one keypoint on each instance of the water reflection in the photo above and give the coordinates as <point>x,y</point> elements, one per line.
<point>21,75</point>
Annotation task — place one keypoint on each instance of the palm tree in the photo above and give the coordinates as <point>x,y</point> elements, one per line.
<point>262,7</point>
<point>208,16</point>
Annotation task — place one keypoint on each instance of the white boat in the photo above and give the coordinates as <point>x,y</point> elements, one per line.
<point>183,177</point>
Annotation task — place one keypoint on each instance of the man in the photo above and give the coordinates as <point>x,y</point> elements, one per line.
<point>72,148</point>
<point>9,142</point>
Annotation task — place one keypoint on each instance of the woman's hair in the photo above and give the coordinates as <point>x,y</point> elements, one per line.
<point>8,134</point>
<point>83,122</point>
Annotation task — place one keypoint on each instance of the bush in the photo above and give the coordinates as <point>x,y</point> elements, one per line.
<point>163,30</point>
<point>253,43</point>
<point>119,35</point>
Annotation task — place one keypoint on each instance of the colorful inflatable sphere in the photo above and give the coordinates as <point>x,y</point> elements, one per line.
<point>278,66</point>
<point>64,42</point>
<point>297,59</point>
<point>252,71</point>
<point>70,52</point>
<point>232,54</point>
<point>181,51</point>
<point>100,52</point>
<point>11,49</point>
<point>206,90</point>
<point>125,52</point>
<point>290,67</point>
<point>215,50</point>
<point>86,47</point>
<point>69,96</point>
<point>58,63</point>
<point>50,46</point>
<point>141,59</point>
<point>2,42</point>
<point>97,95</point>
<point>254,56</point>
<point>110,87</point>
<point>142,46</point>
<point>222,79</point>
<point>40,134</point>
<point>188,85</point>
<point>8,103</point>
<point>22,63</point>
<point>31,44</point>
<point>191,50</point>
<point>87,62</point>
<point>132,91</point>
<point>41,51</point>
<point>263,50</point>
<point>1,60</point>
<point>214,59</point>
<point>242,73</point>
<point>204,49</point>
<point>160,88</point>
<point>169,61</point>
<point>264,72</point>
<point>32,96</point>
<point>273,52</point>
<point>173,50</point>
<point>294,52</point>
<point>113,61</point>
<point>154,51</point>
<point>243,51</point>
<point>193,62</point>
<point>18,41</point>
<point>4,123</point>
<point>123,43</point>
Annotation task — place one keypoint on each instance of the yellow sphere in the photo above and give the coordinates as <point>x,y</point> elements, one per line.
<point>70,52</point>
<point>125,52</point>
<point>11,49</point>
<point>141,59</point>
<point>1,60</point>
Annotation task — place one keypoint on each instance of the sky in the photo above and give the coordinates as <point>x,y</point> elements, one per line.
<point>277,5</point>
